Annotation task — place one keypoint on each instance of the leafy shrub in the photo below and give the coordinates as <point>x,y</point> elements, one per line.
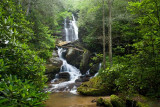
<point>109,76</point>
<point>17,93</point>
<point>21,70</point>
<point>21,61</point>
<point>45,54</point>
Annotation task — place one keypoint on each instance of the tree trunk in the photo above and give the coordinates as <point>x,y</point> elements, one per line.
<point>110,32</point>
<point>28,8</point>
<point>19,2</point>
<point>104,38</point>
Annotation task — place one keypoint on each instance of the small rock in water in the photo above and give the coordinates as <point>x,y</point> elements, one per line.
<point>93,101</point>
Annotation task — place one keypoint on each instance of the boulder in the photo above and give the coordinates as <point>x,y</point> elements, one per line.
<point>83,78</point>
<point>64,76</point>
<point>53,66</point>
<point>94,87</point>
<point>51,71</point>
<point>84,65</point>
<point>55,60</point>
<point>57,81</point>
<point>74,57</point>
<point>78,58</point>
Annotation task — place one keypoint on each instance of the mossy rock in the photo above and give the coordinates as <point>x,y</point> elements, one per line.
<point>104,102</point>
<point>51,71</point>
<point>90,91</point>
<point>100,102</point>
<point>116,101</point>
<point>107,103</point>
<point>93,87</point>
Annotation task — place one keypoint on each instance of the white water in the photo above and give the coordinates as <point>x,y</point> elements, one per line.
<point>73,71</point>
<point>88,72</point>
<point>99,67</point>
<point>75,27</point>
<point>71,29</point>
<point>71,34</point>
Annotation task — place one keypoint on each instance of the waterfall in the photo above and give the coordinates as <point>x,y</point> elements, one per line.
<point>71,34</point>
<point>99,67</point>
<point>66,30</point>
<point>71,29</point>
<point>75,27</point>
<point>73,72</point>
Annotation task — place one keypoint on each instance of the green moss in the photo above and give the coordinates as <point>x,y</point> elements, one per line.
<point>100,102</point>
<point>51,71</point>
<point>93,87</point>
<point>116,101</point>
<point>50,68</point>
<point>104,102</point>
<point>90,91</point>
<point>107,103</point>
<point>140,104</point>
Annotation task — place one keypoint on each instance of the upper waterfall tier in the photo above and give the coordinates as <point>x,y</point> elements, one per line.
<point>71,29</point>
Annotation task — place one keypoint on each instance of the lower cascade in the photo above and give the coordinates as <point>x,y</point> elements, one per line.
<point>65,79</point>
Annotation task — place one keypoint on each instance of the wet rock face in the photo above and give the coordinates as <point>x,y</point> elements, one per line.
<point>78,58</point>
<point>64,76</point>
<point>57,81</point>
<point>53,66</point>
<point>74,57</point>
<point>84,65</point>
<point>55,60</point>
<point>83,78</point>
<point>51,71</point>
<point>94,69</point>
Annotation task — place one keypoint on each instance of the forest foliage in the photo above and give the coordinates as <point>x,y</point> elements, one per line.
<point>29,28</point>
<point>26,42</point>
<point>136,42</point>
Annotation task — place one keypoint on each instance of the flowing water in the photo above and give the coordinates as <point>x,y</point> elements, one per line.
<point>99,67</point>
<point>73,72</point>
<point>71,29</point>
<point>71,34</point>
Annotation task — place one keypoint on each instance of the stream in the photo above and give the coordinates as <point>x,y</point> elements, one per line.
<point>66,99</point>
